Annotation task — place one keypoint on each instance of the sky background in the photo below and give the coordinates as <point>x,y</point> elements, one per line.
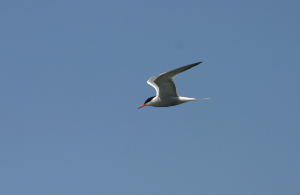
<point>73,74</point>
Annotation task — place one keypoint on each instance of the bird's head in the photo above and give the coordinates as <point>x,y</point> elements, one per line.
<point>147,102</point>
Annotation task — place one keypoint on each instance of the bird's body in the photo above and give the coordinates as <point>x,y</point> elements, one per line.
<point>168,101</point>
<point>166,94</point>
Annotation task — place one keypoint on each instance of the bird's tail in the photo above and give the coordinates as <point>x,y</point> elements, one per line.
<point>203,99</point>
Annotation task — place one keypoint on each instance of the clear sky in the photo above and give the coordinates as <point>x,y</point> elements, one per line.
<point>73,74</point>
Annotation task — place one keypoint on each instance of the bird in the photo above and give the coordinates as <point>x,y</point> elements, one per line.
<point>166,94</point>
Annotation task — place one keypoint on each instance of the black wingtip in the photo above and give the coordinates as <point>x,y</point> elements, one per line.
<point>195,64</point>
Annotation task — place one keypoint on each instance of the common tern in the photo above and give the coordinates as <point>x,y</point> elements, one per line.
<point>166,94</point>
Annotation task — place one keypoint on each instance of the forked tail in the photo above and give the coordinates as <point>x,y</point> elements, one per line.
<point>203,99</point>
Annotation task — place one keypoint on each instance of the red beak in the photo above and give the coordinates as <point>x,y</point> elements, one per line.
<point>142,106</point>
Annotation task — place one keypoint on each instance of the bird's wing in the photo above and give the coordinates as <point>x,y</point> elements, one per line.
<point>163,83</point>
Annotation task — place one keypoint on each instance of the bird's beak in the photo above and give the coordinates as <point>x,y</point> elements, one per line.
<point>142,106</point>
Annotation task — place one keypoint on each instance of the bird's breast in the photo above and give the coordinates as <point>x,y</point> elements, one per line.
<point>165,102</point>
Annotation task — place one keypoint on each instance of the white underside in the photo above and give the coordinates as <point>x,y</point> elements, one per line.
<point>170,101</point>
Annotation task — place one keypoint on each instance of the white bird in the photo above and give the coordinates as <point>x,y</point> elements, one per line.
<point>166,94</point>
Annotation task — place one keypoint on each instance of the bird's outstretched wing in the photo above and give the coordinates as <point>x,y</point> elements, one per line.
<point>163,83</point>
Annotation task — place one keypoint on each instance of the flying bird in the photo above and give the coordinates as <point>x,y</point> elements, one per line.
<point>166,94</point>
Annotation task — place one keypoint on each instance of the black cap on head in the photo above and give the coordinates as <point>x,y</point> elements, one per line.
<point>149,99</point>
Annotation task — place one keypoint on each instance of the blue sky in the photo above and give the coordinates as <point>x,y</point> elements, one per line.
<point>73,74</point>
